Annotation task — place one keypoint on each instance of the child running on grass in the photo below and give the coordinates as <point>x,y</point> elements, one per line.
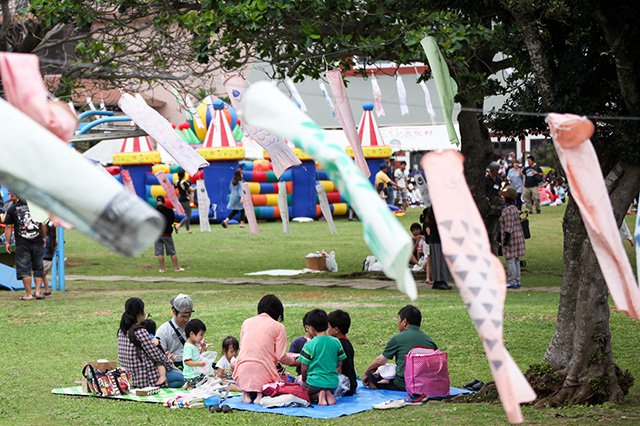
<point>194,330</point>
<point>339,323</point>
<point>321,359</point>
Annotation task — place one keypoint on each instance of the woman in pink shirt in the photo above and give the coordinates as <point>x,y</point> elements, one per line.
<point>263,343</point>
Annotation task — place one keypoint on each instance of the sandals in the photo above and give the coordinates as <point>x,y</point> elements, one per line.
<point>27,298</point>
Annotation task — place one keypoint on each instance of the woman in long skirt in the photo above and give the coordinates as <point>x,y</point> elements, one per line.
<point>439,270</point>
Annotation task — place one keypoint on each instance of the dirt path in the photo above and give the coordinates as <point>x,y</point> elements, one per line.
<point>367,283</point>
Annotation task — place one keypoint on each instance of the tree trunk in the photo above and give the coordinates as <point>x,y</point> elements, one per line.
<point>580,351</point>
<point>477,150</point>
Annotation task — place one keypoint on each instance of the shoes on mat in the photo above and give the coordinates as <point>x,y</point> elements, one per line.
<point>415,399</point>
<point>391,404</point>
<point>474,385</point>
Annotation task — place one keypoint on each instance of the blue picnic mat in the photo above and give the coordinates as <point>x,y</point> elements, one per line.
<point>363,400</point>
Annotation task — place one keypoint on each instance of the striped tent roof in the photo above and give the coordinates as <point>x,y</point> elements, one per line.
<point>137,144</point>
<point>219,133</point>
<point>368,130</point>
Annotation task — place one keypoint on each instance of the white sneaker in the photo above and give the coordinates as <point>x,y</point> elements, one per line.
<point>388,405</point>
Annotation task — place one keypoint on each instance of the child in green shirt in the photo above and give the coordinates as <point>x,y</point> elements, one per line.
<point>194,330</point>
<point>321,359</point>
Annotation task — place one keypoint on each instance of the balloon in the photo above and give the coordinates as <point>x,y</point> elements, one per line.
<point>205,111</point>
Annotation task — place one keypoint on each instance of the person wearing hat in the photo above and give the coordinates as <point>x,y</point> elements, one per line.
<point>512,237</point>
<point>171,334</point>
<point>165,241</point>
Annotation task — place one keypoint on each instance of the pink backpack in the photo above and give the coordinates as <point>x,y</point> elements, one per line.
<point>426,371</point>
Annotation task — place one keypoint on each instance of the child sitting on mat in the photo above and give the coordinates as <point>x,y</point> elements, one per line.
<point>194,330</point>
<point>150,326</point>
<point>227,363</point>
<point>339,323</point>
<point>321,359</point>
<point>298,343</point>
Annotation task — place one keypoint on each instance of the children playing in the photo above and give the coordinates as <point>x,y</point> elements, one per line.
<point>227,363</point>
<point>298,343</point>
<point>339,323</point>
<point>321,359</point>
<point>194,331</point>
<point>150,326</point>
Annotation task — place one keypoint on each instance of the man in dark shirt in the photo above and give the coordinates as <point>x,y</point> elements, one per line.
<point>29,247</point>
<point>410,336</point>
<point>532,177</point>
<point>165,241</point>
<point>339,323</point>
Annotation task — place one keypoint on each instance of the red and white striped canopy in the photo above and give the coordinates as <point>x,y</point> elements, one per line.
<point>137,144</point>
<point>368,129</point>
<point>219,133</point>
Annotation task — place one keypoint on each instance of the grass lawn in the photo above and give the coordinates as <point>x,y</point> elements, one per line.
<point>45,342</point>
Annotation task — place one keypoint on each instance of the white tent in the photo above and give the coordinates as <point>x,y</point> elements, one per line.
<point>103,151</point>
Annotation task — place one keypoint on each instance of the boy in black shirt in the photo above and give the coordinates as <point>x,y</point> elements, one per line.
<point>165,241</point>
<point>339,323</point>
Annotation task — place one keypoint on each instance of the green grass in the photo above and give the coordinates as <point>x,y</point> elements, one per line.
<point>44,343</point>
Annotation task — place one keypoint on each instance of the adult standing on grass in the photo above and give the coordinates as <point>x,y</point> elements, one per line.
<point>171,334</point>
<point>263,344</point>
<point>29,247</point>
<point>532,177</point>
<point>164,243</point>
<point>184,197</point>
<point>136,352</point>
<point>235,199</point>
<point>382,182</point>
<point>439,270</point>
<point>512,237</point>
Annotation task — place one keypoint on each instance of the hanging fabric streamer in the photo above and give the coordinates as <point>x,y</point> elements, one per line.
<point>248,208</point>
<point>344,114</point>
<point>170,191</point>
<point>25,90</point>
<point>571,135</point>
<point>203,205</point>
<point>265,106</point>
<point>90,104</point>
<point>327,99</point>
<point>637,238</point>
<point>282,157</point>
<point>325,208</point>
<point>72,108</point>
<point>402,95</point>
<point>428,103</point>
<point>127,182</point>
<point>478,274</point>
<point>283,206</point>
<point>97,204</point>
<point>192,111</point>
<point>423,188</point>
<point>447,87</point>
<point>103,106</point>
<point>156,126</point>
<point>377,96</point>
<point>296,95</point>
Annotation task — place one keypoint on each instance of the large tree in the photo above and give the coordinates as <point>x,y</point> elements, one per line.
<point>111,43</point>
<point>567,56</point>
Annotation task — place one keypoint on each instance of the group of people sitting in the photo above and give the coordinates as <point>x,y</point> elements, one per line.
<point>171,356</point>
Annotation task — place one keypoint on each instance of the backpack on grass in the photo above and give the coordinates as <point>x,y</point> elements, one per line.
<point>426,372</point>
<point>111,383</point>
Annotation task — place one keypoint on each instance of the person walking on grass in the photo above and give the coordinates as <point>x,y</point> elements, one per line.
<point>235,200</point>
<point>184,190</point>
<point>29,247</point>
<point>533,176</point>
<point>165,241</point>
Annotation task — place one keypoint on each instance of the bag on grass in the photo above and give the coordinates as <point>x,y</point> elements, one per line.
<point>426,371</point>
<point>524,221</point>
<point>112,383</point>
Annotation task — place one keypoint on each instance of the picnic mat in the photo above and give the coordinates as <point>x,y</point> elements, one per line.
<point>363,400</point>
<point>159,398</point>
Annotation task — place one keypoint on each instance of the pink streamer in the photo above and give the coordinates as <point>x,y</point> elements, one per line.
<point>25,90</point>
<point>377,97</point>
<point>171,192</point>
<point>345,118</point>
<point>571,135</point>
<point>248,208</point>
<point>478,274</point>
<point>127,182</point>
